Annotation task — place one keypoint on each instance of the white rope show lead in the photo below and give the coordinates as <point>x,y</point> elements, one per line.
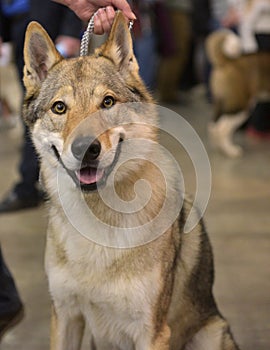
<point>130,26</point>
<point>86,36</point>
<point>88,33</point>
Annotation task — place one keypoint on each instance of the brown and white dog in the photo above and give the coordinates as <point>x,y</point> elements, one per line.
<point>148,293</point>
<point>238,81</point>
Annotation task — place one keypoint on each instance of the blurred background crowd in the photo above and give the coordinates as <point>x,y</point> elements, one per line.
<point>169,38</point>
<point>169,43</point>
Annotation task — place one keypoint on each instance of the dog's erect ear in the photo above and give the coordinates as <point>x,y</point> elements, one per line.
<point>119,46</point>
<point>40,55</point>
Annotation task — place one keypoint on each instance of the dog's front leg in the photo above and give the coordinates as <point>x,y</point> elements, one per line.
<point>161,341</point>
<point>66,331</point>
<point>221,133</point>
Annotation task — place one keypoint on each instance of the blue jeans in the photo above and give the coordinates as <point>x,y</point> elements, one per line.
<point>145,52</point>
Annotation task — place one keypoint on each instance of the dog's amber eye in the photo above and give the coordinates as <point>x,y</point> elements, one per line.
<point>59,107</point>
<point>108,102</point>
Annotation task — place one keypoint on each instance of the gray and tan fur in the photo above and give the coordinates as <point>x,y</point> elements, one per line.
<point>156,296</point>
<point>237,82</point>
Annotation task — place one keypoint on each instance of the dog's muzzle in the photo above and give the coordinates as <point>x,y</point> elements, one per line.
<point>90,175</point>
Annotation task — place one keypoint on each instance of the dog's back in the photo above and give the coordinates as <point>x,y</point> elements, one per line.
<point>236,78</point>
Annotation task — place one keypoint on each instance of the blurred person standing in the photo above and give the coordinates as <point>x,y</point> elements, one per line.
<point>233,14</point>
<point>173,62</point>
<point>254,31</point>
<point>11,307</point>
<point>64,27</point>
<point>220,12</point>
<point>254,26</point>
<point>247,17</point>
<point>10,89</point>
<point>144,43</point>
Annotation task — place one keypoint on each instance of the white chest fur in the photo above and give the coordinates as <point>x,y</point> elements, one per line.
<point>103,284</point>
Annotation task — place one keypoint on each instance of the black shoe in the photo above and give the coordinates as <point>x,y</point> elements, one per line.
<point>10,319</point>
<point>12,202</point>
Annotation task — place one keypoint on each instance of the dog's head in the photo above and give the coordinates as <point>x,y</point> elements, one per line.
<point>80,110</point>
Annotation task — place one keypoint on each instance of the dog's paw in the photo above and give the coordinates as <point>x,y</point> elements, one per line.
<point>222,140</point>
<point>231,151</point>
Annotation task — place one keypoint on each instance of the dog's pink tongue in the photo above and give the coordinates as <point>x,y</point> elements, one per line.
<point>89,175</point>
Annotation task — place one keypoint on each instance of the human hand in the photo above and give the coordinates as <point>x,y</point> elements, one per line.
<point>104,18</point>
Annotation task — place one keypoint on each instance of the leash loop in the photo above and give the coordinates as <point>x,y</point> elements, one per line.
<point>86,36</point>
<point>89,32</point>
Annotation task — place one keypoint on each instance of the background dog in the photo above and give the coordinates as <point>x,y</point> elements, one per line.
<point>133,276</point>
<point>238,81</point>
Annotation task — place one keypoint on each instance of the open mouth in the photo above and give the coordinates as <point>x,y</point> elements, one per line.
<point>89,177</point>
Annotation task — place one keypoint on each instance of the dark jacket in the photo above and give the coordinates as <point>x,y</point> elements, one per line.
<point>55,18</point>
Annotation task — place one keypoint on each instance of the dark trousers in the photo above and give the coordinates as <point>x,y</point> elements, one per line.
<point>172,66</point>
<point>263,41</point>
<point>29,165</point>
<point>28,168</point>
<point>9,298</point>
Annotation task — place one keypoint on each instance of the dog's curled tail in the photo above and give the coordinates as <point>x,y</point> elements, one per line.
<point>222,46</point>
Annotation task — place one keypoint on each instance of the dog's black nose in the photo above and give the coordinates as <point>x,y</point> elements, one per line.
<point>86,148</point>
